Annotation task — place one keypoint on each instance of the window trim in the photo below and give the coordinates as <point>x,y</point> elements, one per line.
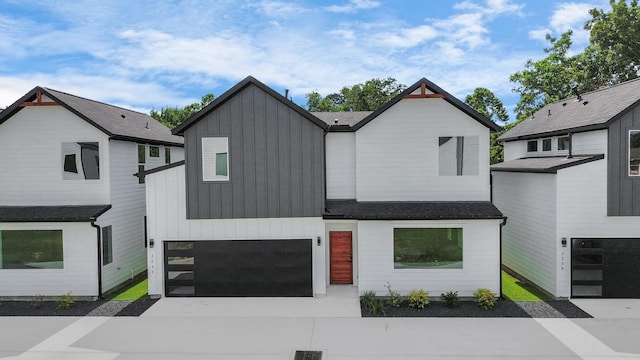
<point>211,148</point>
<point>629,166</point>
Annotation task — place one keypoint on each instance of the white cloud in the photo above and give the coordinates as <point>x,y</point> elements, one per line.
<point>490,7</point>
<point>352,6</point>
<point>568,16</point>
<point>275,8</point>
<point>407,38</point>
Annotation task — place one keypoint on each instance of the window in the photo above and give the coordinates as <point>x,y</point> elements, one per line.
<point>80,161</point>
<point>458,155</point>
<point>107,245</point>
<point>431,248</point>
<point>142,156</point>
<point>532,146</point>
<point>31,249</point>
<point>154,151</point>
<point>546,144</point>
<point>215,159</point>
<point>634,153</point>
<point>167,155</point>
<point>564,143</point>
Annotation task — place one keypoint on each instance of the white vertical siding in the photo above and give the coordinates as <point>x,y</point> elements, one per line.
<point>32,163</point>
<point>481,259</point>
<point>529,238</point>
<point>80,272</point>
<point>167,221</point>
<point>341,165</point>
<point>582,212</point>
<point>397,154</point>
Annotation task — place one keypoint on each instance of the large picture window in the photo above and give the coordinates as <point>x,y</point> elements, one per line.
<point>80,161</point>
<point>31,249</point>
<point>634,153</point>
<point>427,248</point>
<point>458,155</point>
<point>215,159</point>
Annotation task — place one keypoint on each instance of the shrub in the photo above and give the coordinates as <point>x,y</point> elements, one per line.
<point>37,301</point>
<point>485,298</point>
<point>394,298</point>
<point>368,298</point>
<point>377,307</point>
<point>418,299</point>
<point>450,299</point>
<point>65,301</point>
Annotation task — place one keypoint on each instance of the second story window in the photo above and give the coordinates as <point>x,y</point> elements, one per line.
<point>532,145</point>
<point>634,153</point>
<point>215,159</point>
<point>80,161</point>
<point>563,143</point>
<point>546,145</point>
<point>458,155</point>
<point>154,151</point>
<point>167,155</point>
<point>142,159</point>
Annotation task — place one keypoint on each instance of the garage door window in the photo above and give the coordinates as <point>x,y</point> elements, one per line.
<point>432,248</point>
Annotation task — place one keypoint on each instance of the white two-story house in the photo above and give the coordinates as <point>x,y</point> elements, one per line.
<point>275,201</point>
<point>570,187</point>
<point>72,215</point>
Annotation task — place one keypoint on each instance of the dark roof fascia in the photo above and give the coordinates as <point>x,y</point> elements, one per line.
<point>159,168</point>
<point>249,80</point>
<point>144,141</point>
<point>553,169</point>
<point>575,130</point>
<point>93,217</point>
<point>341,128</point>
<point>389,217</point>
<point>438,90</point>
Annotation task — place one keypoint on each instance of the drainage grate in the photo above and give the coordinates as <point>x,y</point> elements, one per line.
<point>308,355</point>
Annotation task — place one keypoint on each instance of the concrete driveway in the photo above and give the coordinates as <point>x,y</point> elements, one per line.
<point>273,328</point>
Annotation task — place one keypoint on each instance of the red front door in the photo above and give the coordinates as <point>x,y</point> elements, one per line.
<point>341,258</point>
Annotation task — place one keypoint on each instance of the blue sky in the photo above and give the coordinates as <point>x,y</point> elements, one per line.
<point>148,54</point>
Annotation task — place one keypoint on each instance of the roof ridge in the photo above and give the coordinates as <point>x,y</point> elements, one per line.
<point>95,101</point>
<point>600,89</point>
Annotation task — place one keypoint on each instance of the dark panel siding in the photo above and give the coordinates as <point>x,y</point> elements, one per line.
<point>623,198</point>
<point>276,161</point>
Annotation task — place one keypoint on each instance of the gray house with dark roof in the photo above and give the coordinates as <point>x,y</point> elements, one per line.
<point>275,201</point>
<point>72,216</point>
<point>570,186</point>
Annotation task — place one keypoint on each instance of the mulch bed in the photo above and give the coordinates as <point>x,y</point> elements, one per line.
<point>502,309</point>
<point>79,308</point>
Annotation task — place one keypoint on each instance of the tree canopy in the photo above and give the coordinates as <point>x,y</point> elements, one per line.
<point>174,116</point>
<point>486,103</point>
<point>360,97</point>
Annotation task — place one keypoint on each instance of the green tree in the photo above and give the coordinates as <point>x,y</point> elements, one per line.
<point>360,97</point>
<point>174,116</point>
<point>614,49</point>
<point>486,103</point>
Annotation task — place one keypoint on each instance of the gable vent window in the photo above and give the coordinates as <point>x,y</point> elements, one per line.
<point>215,159</point>
<point>634,153</point>
<point>532,146</point>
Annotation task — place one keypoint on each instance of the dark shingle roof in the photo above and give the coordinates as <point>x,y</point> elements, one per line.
<point>595,111</point>
<point>51,213</point>
<point>549,165</point>
<point>411,210</point>
<point>349,118</point>
<point>118,123</point>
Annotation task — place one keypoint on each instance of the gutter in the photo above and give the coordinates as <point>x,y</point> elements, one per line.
<point>98,230</point>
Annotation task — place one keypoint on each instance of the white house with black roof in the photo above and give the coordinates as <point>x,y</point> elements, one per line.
<point>570,187</point>
<point>72,215</point>
<point>275,201</point>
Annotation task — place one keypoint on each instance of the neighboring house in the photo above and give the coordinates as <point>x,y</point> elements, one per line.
<point>72,215</point>
<point>570,187</point>
<point>275,201</point>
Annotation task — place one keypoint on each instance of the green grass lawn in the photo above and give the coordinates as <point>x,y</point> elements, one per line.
<point>134,292</point>
<point>517,290</point>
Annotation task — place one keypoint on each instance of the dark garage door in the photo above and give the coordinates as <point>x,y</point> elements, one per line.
<point>605,268</point>
<point>238,268</point>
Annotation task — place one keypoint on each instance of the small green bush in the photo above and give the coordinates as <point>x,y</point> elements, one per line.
<point>418,299</point>
<point>65,301</point>
<point>394,298</point>
<point>377,307</point>
<point>450,299</point>
<point>485,298</point>
<point>368,298</point>
<point>37,301</point>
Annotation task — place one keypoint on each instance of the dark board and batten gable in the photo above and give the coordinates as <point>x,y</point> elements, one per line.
<point>276,157</point>
<point>623,198</point>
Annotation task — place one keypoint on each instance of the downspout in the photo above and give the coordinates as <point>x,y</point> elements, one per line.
<point>570,146</point>
<point>504,222</point>
<point>98,230</point>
